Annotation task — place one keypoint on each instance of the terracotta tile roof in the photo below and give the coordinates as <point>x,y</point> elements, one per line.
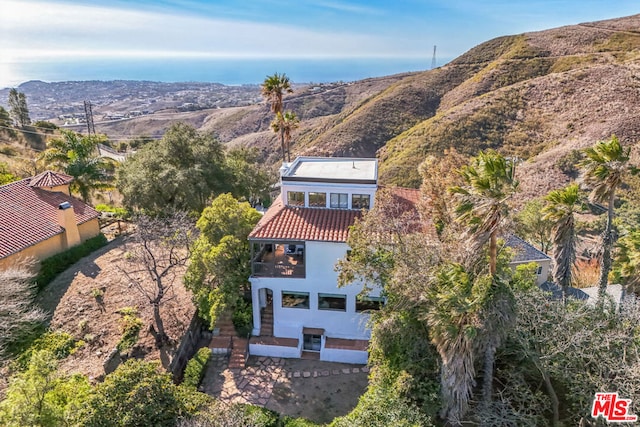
<point>50,179</point>
<point>294,223</point>
<point>28,215</point>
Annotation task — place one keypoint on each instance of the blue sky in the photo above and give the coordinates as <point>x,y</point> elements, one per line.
<point>40,31</point>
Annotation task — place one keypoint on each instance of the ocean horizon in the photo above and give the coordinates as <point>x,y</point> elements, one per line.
<point>224,71</point>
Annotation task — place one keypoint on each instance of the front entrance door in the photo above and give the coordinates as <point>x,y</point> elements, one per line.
<point>312,342</point>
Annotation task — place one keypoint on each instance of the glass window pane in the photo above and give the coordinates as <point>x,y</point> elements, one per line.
<point>295,299</point>
<point>318,200</point>
<point>360,201</point>
<point>339,200</point>
<point>368,303</point>
<point>295,198</point>
<point>332,302</point>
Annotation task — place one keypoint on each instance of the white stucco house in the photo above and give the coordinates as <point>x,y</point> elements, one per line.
<point>298,308</point>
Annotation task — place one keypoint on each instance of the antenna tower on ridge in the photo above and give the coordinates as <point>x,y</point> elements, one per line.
<point>88,113</point>
<point>433,59</point>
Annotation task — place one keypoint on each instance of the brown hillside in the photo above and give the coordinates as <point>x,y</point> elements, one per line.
<point>535,96</point>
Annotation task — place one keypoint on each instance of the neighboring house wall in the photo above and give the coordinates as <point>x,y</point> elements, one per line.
<point>542,272</point>
<point>89,229</point>
<point>39,251</point>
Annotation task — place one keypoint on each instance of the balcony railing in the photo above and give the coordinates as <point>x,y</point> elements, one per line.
<point>278,260</point>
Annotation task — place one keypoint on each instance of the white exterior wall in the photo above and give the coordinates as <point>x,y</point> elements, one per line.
<point>320,260</point>
<point>544,274</point>
<point>344,356</point>
<point>323,187</point>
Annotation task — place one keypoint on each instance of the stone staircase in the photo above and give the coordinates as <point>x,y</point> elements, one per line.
<point>266,322</point>
<point>238,356</point>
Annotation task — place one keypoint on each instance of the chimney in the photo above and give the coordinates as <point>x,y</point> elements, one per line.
<point>67,220</point>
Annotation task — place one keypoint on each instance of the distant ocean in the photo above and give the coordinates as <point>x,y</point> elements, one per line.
<point>229,72</point>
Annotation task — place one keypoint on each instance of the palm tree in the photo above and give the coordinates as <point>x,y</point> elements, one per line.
<point>452,316</point>
<point>605,166</point>
<point>286,122</point>
<point>273,89</point>
<point>76,155</point>
<point>561,205</point>
<point>626,266</point>
<point>488,184</point>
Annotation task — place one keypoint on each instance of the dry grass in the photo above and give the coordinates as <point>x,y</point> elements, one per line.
<point>585,273</point>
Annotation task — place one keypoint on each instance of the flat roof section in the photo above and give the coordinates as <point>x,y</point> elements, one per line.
<point>333,168</point>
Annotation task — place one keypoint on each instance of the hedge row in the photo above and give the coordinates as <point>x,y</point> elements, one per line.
<point>194,372</point>
<point>58,263</point>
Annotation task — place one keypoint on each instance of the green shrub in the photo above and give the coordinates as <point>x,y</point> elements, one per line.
<point>131,325</point>
<point>297,422</point>
<point>56,264</point>
<point>242,318</point>
<point>260,416</point>
<point>194,372</point>
<point>120,213</point>
<point>60,344</point>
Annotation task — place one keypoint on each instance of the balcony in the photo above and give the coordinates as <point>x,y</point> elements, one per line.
<point>282,259</point>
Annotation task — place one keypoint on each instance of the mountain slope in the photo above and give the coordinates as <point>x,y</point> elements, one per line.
<point>536,96</point>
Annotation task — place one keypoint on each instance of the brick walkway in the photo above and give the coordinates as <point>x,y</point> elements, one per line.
<point>255,383</point>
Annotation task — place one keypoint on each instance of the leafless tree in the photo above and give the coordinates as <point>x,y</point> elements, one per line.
<point>153,264</point>
<point>18,314</point>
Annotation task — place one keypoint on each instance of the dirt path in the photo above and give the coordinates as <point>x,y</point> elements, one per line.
<point>84,301</point>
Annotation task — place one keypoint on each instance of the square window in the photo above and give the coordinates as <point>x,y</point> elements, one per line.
<point>339,200</point>
<point>334,302</point>
<point>360,201</point>
<point>295,198</point>
<point>295,299</point>
<point>318,200</point>
<point>368,303</point>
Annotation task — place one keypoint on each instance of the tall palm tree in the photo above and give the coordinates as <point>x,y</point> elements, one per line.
<point>605,166</point>
<point>452,316</point>
<point>286,122</point>
<point>561,205</point>
<point>273,89</point>
<point>488,184</point>
<point>76,155</point>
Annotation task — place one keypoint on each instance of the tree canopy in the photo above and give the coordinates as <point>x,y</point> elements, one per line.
<point>184,170</point>
<point>18,107</point>
<point>77,155</point>
<point>220,264</point>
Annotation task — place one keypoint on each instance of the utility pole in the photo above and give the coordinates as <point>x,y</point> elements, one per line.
<point>433,59</point>
<point>89,117</point>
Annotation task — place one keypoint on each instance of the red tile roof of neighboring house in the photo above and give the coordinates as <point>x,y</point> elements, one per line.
<point>50,179</point>
<point>294,223</point>
<point>28,214</point>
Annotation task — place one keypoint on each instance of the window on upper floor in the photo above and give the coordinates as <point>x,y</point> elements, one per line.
<point>539,270</point>
<point>336,302</point>
<point>295,198</point>
<point>317,200</point>
<point>368,303</point>
<point>360,201</point>
<point>339,200</point>
<point>295,299</point>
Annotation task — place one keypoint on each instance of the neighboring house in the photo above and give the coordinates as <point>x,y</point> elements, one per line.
<point>39,218</point>
<point>524,253</point>
<point>298,308</point>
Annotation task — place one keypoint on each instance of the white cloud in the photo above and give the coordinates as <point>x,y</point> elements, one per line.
<point>49,30</point>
